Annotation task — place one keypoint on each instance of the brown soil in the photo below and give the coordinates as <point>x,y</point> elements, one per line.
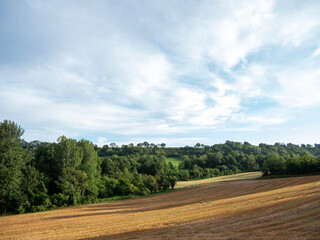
<point>286,208</point>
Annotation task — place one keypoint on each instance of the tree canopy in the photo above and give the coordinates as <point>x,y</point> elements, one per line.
<point>35,176</point>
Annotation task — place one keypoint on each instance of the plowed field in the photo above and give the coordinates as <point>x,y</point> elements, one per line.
<point>286,208</point>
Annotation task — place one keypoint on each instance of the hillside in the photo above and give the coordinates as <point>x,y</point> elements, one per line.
<point>283,208</point>
<point>37,176</point>
<point>233,177</point>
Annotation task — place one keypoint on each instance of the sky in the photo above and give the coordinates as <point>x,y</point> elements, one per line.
<point>174,72</point>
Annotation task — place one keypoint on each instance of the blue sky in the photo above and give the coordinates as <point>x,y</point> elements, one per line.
<point>178,72</point>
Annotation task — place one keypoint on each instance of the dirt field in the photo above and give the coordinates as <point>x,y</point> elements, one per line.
<point>286,208</point>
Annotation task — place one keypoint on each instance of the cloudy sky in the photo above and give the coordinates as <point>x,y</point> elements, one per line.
<point>178,72</point>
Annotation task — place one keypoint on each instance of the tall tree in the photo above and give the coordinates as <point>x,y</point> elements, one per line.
<point>12,160</point>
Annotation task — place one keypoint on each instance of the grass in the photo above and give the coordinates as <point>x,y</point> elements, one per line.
<point>234,177</point>
<point>291,175</point>
<point>283,208</point>
<point>175,161</point>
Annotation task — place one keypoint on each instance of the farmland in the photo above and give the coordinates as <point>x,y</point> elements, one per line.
<point>233,177</point>
<point>283,208</point>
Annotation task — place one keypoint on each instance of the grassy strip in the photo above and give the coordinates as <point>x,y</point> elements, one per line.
<point>226,178</point>
<point>290,175</point>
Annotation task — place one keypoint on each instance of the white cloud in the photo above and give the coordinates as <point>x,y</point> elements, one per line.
<point>229,37</point>
<point>148,73</point>
<point>101,141</point>
<point>316,52</point>
<point>298,88</point>
<point>149,79</point>
<point>265,120</point>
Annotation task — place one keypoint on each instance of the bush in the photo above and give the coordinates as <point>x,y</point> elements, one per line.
<point>184,174</point>
<point>60,200</point>
<point>274,165</point>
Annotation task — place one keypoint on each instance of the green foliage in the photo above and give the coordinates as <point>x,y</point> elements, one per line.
<point>196,172</point>
<point>60,200</point>
<point>37,201</point>
<point>36,176</point>
<point>172,181</point>
<point>37,198</point>
<point>150,183</point>
<point>165,184</point>
<point>274,165</point>
<point>184,174</point>
<point>12,160</point>
<point>72,167</point>
<point>174,161</point>
<point>215,172</point>
<point>107,187</point>
<point>73,183</point>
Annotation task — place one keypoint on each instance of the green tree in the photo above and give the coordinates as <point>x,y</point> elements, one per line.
<point>165,184</point>
<point>90,164</point>
<point>197,145</point>
<point>184,174</point>
<point>172,181</point>
<point>72,167</point>
<point>196,171</point>
<point>12,161</point>
<point>274,165</point>
<point>72,182</point>
<point>35,189</point>
<point>150,182</point>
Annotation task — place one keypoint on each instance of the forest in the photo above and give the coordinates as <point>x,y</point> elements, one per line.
<point>35,176</point>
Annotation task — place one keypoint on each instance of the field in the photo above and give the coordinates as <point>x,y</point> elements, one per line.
<point>234,177</point>
<point>283,208</point>
<point>175,161</point>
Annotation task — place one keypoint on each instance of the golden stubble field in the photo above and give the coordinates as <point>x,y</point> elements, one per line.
<point>286,208</point>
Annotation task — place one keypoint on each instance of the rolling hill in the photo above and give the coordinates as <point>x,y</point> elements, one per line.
<point>283,208</point>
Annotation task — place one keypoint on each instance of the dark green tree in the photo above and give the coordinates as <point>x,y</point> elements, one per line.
<point>172,181</point>
<point>151,183</point>
<point>12,161</point>
<point>274,165</point>
<point>165,184</point>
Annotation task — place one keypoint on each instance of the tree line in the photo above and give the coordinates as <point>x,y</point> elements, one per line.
<point>35,176</point>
